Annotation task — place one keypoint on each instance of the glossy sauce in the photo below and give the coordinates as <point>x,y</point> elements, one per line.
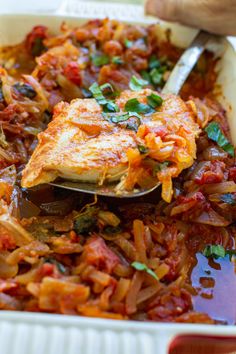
<point>215,283</point>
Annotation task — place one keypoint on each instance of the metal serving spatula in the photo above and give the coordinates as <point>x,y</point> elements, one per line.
<point>174,84</point>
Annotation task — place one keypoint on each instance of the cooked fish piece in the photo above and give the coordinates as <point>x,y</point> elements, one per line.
<point>80,144</point>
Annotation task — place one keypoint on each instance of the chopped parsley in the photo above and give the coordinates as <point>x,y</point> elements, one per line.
<point>228,198</point>
<point>119,118</point>
<point>86,93</point>
<point>143,149</point>
<point>59,265</point>
<point>97,92</point>
<point>136,84</point>
<point>144,268</point>
<point>154,62</point>
<point>217,251</point>
<point>160,166</point>
<point>133,105</point>
<point>156,76</point>
<point>214,251</point>
<point>154,100</point>
<point>214,133</point>
<point>87,221</point>
<point>128,43</point>
<point>146,76</point>
<point>112,230</point>
<point>99,60</point>
<point>117,60</point>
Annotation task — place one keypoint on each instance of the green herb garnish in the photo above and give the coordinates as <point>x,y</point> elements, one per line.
<point>146,76</point>
<point>214,133</point>
<point>156,76</point>
<point>128,43</point>
<point>214,251</point>
<point>154,100</point>
<point>117,60</point>
<point>160,166</point>
<point>133,105</point>
<point>59,265</point>
<point>143,149</point>
<point>154,62</point>
<point>144,268</point>
<point>87,221</point>
<point>136,84</point>
<point>99,60</point>
<point>86,93</point>
<point>119,118</point>
<point>110,230</point>
<point>97,92</point>
<point>132,126</point>
<point>228,198</point>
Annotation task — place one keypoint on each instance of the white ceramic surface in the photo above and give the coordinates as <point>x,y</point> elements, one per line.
<point>23,333</point>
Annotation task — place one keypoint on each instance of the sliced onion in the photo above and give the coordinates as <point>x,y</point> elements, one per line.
<point>221,188</point>
<point>212,218</point>
<point>214,153</point>
<point>21,236</point>
<point>7,270</point>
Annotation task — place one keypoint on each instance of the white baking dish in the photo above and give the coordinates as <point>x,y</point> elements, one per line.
<point>33,333</point>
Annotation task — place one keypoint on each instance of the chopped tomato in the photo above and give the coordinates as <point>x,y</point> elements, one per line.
<point>212,173</point>
<point>232,173</point>
<point>97,253</point>
<point>72,73</point>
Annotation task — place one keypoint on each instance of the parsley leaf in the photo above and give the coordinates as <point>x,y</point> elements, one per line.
<point>86,221</point>
<point>154,62</point>
<point>143,149</point>
<point>214,133</point>
<point>160,166</point>
<point>156,76</point>
<point>108,105</point>
<point>228,198</point>
<point>59,265</point>
<point>154,100</point>
<point>214,251</point>
<point>217,251</point>
<point>146,76</point>
<point>99,60</point>
<point>133,105</point>
<point>119,118</point>
<point>128,43</point>
<point>144,268</point>
<point>117,60</point>
<point>137,84</point>
<point>112,230</point>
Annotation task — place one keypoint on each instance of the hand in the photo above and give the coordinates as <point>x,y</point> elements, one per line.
<point>215,16</point>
